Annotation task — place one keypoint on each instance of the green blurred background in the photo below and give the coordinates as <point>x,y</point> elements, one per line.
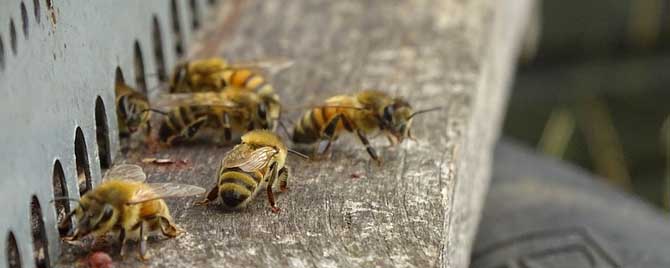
<point>592,89</point>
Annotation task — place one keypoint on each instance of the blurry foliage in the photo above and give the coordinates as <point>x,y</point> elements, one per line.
<point>597,92</point>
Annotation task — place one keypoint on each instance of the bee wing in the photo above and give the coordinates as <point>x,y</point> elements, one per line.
<point>168,101</point>
<point>247,159</point>
<point>270,66</point>
<point>126,172</point>
<point>164,190</point>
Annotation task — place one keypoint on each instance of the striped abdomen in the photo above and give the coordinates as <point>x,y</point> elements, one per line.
<point>179,120</point>
<point>311,125</point>
<point>247,79</point>
<point>237,187</point>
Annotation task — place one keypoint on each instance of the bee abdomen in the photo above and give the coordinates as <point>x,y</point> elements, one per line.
<point>236,187</point>
<point>307,130</point>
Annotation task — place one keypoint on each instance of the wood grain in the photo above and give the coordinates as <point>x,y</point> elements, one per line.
<point>421,207</point>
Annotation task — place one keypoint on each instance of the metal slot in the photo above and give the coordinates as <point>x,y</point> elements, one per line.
<point>2,54</point>
<point>36,9</point>
<point>157,38</point>
<point>13,256</point>
<point>176,29</point>
<point>82,164</point>
<point>40,242</point>
<point>61,205</point>
<point>24,20</point>
<point>140,78</point>
<point>102,135</point>
<point>195,14</point>
<point>12,36</point>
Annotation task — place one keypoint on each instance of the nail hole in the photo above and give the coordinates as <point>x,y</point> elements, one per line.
<point>12,36</point>
<point>24,19</point>
<point>211,2</point>
<point>81,161</point>
<point>13,256</point>
<point>140,79</point>
<point>40,242</point>
<point>158,50</point>
<point>60,190</point>
<point>51,11</point>
<point>176,29</point>
<point>195,14</point>
<point>36,9</point>
<point>102,135</point>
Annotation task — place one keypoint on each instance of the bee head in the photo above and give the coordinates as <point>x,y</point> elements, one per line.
<point>137,114</point>
<point>396,118</point>
<point>92,215</point>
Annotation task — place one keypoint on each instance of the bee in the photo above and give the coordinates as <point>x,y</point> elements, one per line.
<point>132,109</point>
<point>258,162</point>
<point>124,203</point>
<point>224,112</point>
<point>363,113</point>
<point>215,74</point>
<point>198,75</point>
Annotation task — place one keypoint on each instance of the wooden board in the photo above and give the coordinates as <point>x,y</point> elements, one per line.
<point>422,206</point>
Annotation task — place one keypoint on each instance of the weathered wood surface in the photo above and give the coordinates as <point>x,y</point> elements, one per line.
<point>421,208</point>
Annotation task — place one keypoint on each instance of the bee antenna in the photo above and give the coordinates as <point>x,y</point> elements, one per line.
<point>425,111</point>
<point>301,155</point>
<point>155,111</point>
<point>64,198</point>
<point>283,127</point>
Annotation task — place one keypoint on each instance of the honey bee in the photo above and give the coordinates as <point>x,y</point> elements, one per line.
<point>224,112</point>
<point>256,163</point>
<point>364,113</point>
<point>215,74</point>
<point>132,109</point>
<point>124,203</point>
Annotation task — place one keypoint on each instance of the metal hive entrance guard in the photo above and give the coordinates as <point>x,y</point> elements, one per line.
<point>57,68</point>
<point>59,60</point>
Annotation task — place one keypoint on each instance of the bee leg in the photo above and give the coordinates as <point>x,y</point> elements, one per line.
<point>410,136</point>
<point>329,134</point>
<point>168,228</point>
<point>270,181</point>
<point>211,196</point>
<point>283,179</point>
<point>392,141</point>
<point>147,132</point>
<point>226,128</point>
<point>122,241</point>
<point>143,244</point>
<point>368,147</point>
<point>193,128</point>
